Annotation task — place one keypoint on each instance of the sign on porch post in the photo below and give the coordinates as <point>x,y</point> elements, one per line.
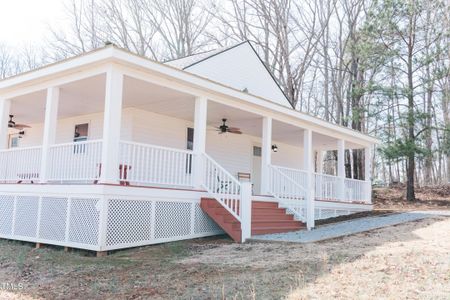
<point>266,154</point>
<point>5,105</point>
<point>309,168</point>
<point>51,120</point>
<point>341,169</point>
<point>112,123</point>
<point>200,119</point>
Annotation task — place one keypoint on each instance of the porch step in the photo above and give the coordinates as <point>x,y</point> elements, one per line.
<point>267,217</point>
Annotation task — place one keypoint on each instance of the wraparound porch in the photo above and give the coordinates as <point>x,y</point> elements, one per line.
<point>210,164</point>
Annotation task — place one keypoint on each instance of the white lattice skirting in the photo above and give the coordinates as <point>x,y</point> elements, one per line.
<point>80,222</point>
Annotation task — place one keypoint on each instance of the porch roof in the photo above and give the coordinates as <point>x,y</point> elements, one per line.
<point>89,63</point>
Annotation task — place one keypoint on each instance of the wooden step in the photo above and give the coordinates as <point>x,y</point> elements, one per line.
<point>268,211</point>
<point>267,218</point>
<point>263,204</point>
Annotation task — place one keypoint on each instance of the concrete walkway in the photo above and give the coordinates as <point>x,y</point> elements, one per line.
<point>330,231</point>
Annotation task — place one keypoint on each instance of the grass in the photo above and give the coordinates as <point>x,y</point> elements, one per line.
<point>411,260</point>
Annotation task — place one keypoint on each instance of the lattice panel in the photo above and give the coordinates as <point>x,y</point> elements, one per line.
<point>203,223</point>
<point>173,219</point>
<point>6,214</point>
<point>53,218</point>
<point>26,216</point>
<point>325,213</point>
<point>129,221</point>
<point>84,221</point>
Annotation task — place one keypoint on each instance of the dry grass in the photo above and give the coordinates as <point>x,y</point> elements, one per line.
<point>406,261</point>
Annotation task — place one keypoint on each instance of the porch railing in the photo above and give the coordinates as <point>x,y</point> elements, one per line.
<point>20,164</point>
<point>327,187</point>
<point>221,185</point>
<point>288,189</point>
<point>150,164</point>
<point>79,161</point>
<point>300,177</point>
<point>357,190</point>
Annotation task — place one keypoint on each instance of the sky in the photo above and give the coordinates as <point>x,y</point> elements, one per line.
<point>25,22</point>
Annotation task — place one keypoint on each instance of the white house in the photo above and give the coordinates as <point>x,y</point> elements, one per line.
<point>110,150</point>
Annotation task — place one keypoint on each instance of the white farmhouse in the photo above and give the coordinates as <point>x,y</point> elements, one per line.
<point>110,150</point>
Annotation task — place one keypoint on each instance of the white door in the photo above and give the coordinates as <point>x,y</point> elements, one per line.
<point>256,170</point>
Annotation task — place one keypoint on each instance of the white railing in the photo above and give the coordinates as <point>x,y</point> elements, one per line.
<point>327,187</point>
<point>288,192</point>
<point>77,161</point>
<point>221,185</point>
<point>298,176</point>
<point>149,164</point>
<point>358,190</point>
<point>20,164</point>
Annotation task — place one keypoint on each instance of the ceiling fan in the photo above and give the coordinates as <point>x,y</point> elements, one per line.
<point>224,128</point>
<point>12,124</point>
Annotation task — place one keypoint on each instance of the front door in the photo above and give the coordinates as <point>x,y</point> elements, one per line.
<point>256,170</point>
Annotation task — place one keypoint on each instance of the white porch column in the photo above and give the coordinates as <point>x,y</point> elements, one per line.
<point>308,164</point>
<point>246,210</point>
<point>368,172</point>
<point>341,169</point>
<point>112,124</point>
<point>5,106</point>
<point>50,124</point>
<point>320,156</point>
<point>266,154</point>
<point>200,120</point>
<point>367,164</point>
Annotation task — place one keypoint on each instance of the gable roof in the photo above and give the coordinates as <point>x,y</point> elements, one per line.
<point>90,63</point>
<point>272,89</point>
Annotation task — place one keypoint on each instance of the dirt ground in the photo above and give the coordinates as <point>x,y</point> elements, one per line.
<point>406,261</point>
<point>394,198</point>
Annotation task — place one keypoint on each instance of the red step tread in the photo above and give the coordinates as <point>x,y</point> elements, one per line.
<point>267,217</point>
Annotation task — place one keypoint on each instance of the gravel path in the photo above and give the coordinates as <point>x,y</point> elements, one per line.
<point>330,231</point>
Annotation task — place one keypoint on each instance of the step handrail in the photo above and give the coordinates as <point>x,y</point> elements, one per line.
<point>292,205</point>
<point>222,186</point>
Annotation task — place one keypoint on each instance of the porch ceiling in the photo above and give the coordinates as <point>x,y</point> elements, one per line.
<point>87,96</point>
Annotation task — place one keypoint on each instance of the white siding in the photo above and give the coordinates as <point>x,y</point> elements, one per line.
<point>240,68</point>
<point>234,152</point>
<point>66,127</point>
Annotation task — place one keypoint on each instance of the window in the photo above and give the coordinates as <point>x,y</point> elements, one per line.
<point>14,142</point>
<point>81,132</point>
<point>80,135</point>
<point>257,151</point>
<point>189,146</point>
<point>190,139</point>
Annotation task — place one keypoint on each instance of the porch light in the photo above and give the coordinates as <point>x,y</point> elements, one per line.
<point>274,148</point>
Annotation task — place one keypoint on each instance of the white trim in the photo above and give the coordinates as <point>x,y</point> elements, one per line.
<point>5,107</point>
<point>201,86</point>
<point>266,154</point>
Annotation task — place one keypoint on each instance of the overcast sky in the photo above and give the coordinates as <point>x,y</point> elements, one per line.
<point>27,21</point>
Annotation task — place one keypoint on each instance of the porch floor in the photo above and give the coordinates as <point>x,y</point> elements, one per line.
<point>331,231</point>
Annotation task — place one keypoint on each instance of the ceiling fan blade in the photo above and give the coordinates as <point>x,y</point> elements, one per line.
<point>235,131</point>
<point>234,128</point>
<point>21,126</point>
